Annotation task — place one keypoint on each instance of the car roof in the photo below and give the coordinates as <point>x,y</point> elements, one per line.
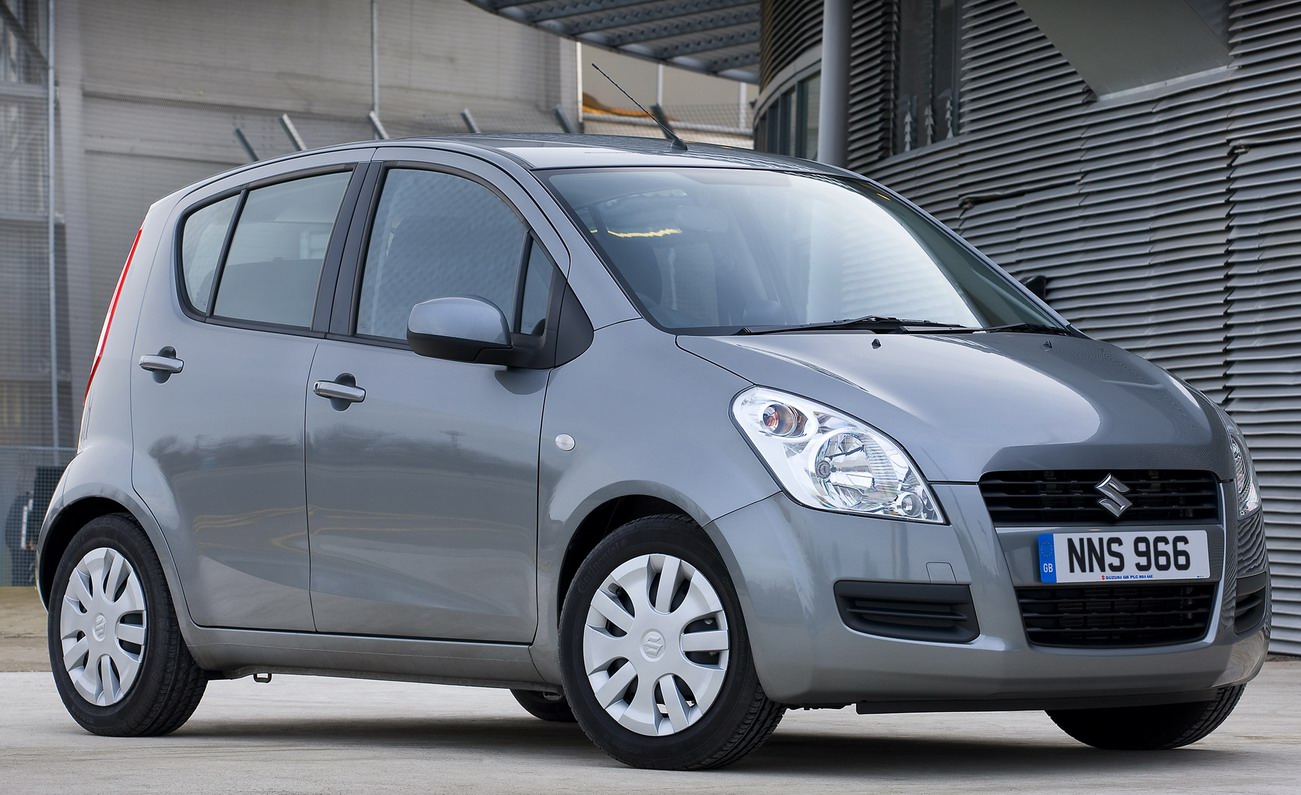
<point>547,151</point>
<point>557,150</point>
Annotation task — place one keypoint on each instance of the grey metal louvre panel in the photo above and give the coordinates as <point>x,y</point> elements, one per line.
<point>1168,221</point>
<point>787,28</point>
<point>1264,277</point>
<point>1265,355</point>
<point>871,80</point>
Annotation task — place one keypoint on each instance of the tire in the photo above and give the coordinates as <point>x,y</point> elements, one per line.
<point>126,671</point>
<point>678,709</point>
<point>1153,728</point>
<point>545,706</point>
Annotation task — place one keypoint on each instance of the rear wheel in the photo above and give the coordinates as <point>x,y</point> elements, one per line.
<point>1153,728</point>
<point>655,654</point>
<point>545,706</point>
<point>116,651</point>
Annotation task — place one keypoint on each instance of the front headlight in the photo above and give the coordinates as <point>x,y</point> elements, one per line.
<point>827,460</point>
<point>1244,475</point>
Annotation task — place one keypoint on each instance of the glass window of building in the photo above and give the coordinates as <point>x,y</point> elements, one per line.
<point>789,124</point>
<point>927,66</point>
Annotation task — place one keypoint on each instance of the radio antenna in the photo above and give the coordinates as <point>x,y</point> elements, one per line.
<point>675,141</point>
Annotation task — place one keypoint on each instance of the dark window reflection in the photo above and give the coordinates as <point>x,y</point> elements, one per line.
<point>928,64</point>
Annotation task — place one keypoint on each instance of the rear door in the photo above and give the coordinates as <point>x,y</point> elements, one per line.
<point>223,347</point>
<point>423,490</point>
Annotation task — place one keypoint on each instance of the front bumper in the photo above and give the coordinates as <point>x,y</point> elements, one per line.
<point>785,560</point>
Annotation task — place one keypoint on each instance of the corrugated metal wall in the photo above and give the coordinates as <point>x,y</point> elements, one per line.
<point>1168,221</point>
<point>786,29</point>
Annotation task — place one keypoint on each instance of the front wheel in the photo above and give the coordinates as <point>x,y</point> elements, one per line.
<point>119,662</point>
<point>1153,728</point>
<point>655,655</point>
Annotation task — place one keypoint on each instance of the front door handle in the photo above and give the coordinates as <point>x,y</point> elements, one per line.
<point>163,364</point>
<point>343,388</point>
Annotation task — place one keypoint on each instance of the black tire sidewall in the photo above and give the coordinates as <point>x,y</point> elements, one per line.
<point>701,741</point>
<point>136,708</point>
<point>1151,728</point>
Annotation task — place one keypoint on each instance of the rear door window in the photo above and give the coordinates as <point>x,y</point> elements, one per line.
<point>274,266</point>
<point>268,269</point>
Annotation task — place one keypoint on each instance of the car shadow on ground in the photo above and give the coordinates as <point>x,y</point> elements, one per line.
<point>797,752</point>
<point>906,757</point>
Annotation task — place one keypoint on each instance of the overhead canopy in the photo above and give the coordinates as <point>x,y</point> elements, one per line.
<point>717,37</point>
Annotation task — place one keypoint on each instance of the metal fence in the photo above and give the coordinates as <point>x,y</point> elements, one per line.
<point>34,377</point>
<point>155,95</point>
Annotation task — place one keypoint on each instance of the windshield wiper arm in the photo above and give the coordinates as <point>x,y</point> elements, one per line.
<point>1031,328</point>
<point>877,323</point>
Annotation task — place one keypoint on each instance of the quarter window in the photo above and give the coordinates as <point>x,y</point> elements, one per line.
<point>201,244</point>
<point>438,235</point>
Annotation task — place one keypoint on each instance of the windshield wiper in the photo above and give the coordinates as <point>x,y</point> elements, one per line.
<point>878,323</point>
<point>1030,328</point>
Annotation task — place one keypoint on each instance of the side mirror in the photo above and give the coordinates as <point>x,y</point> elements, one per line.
<point>1037,284</point>
<point>460,328</point>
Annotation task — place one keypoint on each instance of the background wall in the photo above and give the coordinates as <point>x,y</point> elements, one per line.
<point>1166,216</point>
<point>150,93</point>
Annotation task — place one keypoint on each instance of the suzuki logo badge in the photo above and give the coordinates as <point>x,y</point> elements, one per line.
<point>1113,496</point>
<point>652,645</point>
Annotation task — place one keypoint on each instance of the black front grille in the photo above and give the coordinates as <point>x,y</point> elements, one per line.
<point>1251,545</point>
<point>1114,616</point>
<point>1059,498</point>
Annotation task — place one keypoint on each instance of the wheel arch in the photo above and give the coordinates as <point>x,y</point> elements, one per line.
<point>70,513</point>
<point>63,528</point>
<point>599,523</point>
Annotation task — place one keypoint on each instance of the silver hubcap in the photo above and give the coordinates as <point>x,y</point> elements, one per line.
<point>102,626</point>
<point>655,645</point>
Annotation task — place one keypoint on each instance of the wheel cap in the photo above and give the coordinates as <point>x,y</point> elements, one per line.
<point>102,626</point>
<point>655,645</point>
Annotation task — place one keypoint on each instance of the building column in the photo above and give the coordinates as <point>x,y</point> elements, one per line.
<point>833,97</point>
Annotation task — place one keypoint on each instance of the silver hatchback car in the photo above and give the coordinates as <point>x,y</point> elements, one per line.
<point>664,441</point>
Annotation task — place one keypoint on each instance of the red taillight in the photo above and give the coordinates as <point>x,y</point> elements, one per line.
<point>108,319</point>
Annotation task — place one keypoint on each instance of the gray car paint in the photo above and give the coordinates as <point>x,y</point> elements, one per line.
<point>965,404</point>
<point>219,449</point>
<point>649,415</point>
<point>423,497</point>
<point>805,654</point>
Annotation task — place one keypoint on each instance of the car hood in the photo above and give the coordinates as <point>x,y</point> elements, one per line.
<point>966,404</point>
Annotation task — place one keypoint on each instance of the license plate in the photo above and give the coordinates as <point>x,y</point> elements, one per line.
<point>1110,557</point>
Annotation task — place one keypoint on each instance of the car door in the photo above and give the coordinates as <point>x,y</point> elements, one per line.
<point>223,346</point>
<point>422,480</point>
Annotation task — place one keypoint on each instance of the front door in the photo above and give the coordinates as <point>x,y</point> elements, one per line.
<point>422,479</point>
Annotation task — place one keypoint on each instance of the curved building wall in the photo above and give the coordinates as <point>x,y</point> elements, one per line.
<point>1167,218</point>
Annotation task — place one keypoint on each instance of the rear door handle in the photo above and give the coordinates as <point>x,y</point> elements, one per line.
<point>164,362</point>
<point>340,390</point>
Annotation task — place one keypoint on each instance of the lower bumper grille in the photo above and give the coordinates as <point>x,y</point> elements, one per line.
<point>1252,603</point>
<point>912,611</point>
<point>1251,545</point>
<point>1111,616</point>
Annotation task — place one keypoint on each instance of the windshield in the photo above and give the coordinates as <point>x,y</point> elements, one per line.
<point>710,251</point>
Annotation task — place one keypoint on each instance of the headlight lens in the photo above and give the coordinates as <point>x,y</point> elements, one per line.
<point>1244,475</point>
<point>827,460</point>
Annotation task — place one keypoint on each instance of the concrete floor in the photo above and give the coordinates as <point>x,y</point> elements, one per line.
<point>22,631</point>
<point>302,734</point>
